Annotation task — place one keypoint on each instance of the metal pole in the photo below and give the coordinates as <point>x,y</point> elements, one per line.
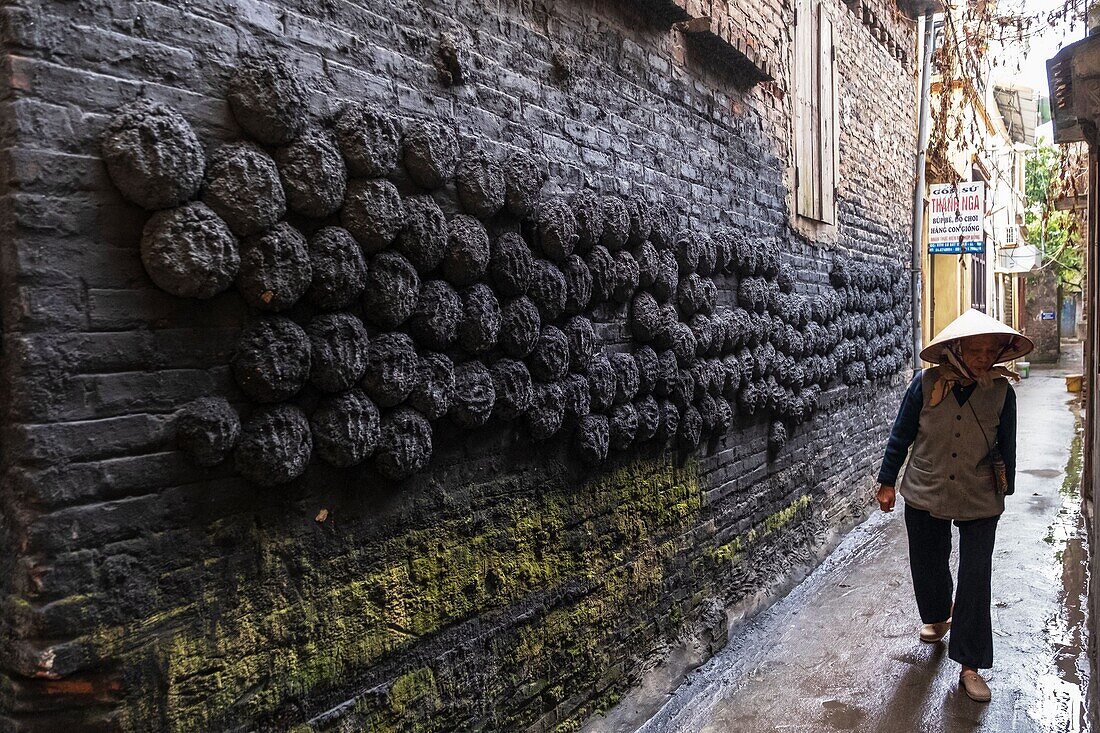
<point>918,189</point>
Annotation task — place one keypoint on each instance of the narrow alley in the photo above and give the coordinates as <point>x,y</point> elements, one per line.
<point>526,366</point>
<point>841,651</point>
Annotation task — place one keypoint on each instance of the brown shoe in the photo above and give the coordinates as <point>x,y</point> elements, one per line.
<point>974,686</point>
<point>931,633</point>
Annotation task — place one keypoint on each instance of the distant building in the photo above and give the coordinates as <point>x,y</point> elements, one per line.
<point>989,130</point>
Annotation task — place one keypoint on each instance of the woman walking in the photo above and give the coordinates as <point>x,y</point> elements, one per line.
<point>960,419</point>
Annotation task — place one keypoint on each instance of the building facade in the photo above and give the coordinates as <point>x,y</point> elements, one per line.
<point>982,132</point>
<point>431,365</point>
<point>986,129</point>
<point>1073,85</point>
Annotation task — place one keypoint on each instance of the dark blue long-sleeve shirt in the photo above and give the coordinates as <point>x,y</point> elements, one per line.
<point>908,420</point>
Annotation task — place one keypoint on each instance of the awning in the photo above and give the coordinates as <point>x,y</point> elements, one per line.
<point>1024,258</point>
<point>1073,78</point>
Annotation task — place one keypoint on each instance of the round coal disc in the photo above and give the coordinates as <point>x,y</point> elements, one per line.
<point>626,376</point>
<point>510,262</point>
<point>391,291</point>
<point>513,387</point>
<point>435,385</point>
<point>466,259</point>
<point>275,447</point>
<point>345,428</point>
<point>623,424</point>
<point>479,182</point>
<point>587,209</point>
<point>548,290</point>
<point>547,412</point>
<point>313,172</point>
<point>152,155</point>
<point>593,438</point>
<point>339,269</point>
<point>582,341</point>
<point>549,361</point>
<point>424,237</point>
<point>616,223</point>
<point>524,177</point>
<point>520,326</point>
<point>369,140</point>
<point>479,327</point>
<point>189,251</point>
<point>338,345</point>
<point>373,212</point>
<point>393,368</point>
<point>272,359</point>
<point>474,396</point>
<point>275,268</point>
<point>430,154</point>
<point>242,186</point>
<point>556,229</point>
<point>601,382</point>
<point>434,322</point>
<point>267,98</point>
<point>207,430</point>
<point>404,444</point>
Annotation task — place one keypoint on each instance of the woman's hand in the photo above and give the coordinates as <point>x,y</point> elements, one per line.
<point>885,497</point>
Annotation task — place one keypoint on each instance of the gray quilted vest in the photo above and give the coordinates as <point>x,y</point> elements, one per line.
<point>948,472</point>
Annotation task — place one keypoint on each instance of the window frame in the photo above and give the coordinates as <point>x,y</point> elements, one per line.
<point>815,112</point>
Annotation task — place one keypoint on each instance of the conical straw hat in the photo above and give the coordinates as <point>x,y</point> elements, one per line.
<point>976,323</point>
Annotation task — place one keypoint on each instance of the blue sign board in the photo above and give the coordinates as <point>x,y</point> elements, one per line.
<point>956,248</point>
<point>1046,315</point>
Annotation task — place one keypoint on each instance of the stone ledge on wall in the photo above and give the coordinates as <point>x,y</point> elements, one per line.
<point>664,11</point>
<point>747,62</point>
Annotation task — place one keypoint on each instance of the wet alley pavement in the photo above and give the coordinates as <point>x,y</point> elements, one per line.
<point>840,652</point>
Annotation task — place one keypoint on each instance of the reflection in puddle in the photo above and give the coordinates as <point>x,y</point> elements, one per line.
<point>1061,703</point>
<point>843,716</point>
<point>1042,472</point>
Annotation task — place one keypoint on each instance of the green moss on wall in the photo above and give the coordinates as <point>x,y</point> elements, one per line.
<point>783,517</point>
<point>288,628</point>
<point>733,551</point>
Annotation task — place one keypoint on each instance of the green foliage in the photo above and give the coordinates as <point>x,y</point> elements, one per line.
<point>1039,173</point>
<point>1055,233</point>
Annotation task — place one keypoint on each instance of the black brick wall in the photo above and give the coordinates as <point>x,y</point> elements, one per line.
<point>504,588</point>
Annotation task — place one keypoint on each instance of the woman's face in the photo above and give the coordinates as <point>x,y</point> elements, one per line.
<point>979,353</point>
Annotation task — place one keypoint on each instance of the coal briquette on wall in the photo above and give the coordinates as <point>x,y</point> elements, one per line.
<point>425,365</point>
<point>433,289</point>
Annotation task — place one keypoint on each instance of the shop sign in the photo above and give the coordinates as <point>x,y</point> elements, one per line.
<point>956,218</point>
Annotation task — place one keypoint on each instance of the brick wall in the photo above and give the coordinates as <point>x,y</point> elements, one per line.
<point>503,588</point>
<point>1041,293</point>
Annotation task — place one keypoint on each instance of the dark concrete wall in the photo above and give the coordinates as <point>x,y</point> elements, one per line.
<point>504,588</point>
<point>1041,293</point>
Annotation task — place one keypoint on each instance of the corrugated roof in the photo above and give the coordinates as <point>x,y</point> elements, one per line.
<point>1019,108</point>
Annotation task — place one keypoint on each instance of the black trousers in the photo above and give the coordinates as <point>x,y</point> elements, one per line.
<point>971,641</point>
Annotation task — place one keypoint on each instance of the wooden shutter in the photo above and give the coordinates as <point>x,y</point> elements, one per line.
<point>827,119</point>
<point>804,109</point>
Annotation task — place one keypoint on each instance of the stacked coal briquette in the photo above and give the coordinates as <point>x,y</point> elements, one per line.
<point>400,281</point>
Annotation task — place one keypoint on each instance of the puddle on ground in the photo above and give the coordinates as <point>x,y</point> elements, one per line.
<point>1061,706</point>
<point>841,715</point>
<point>1042,472</point>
